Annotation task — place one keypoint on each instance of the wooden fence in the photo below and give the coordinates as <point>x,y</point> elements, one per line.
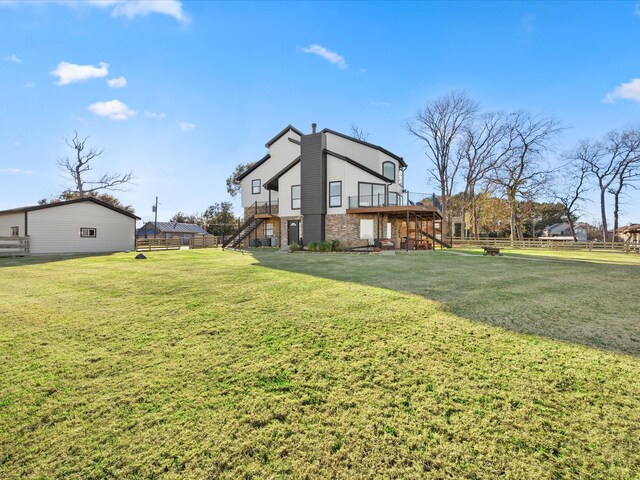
<point>14,246</point>
<point>205,241</point>
<point>549,244</point>
<point>158,243</point>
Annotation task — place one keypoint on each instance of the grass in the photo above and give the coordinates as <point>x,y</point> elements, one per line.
<point>604,257</point>
<point>204,364</point>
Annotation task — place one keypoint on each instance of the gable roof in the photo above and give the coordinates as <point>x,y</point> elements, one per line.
<point>69,202</point>
<point>255,165</point>
<point>273,181</point>
<point>170,227</point>
<point>362,142</point>
<point>359,165</point>
<point>281,133</point>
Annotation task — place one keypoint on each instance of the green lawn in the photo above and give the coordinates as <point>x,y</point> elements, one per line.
<point>210,364</point>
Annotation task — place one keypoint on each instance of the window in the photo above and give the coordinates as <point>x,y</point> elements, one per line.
<point>255,186</point>
<point>88,232</point>
<point>389,230</point>
<point>371,195</point>
<point>393,198</point>
<point>15,231</point>
<point>389,171</point>
<point>295,197</point>
<point>268,229</point>
<point>366,229</point>
<point>335,194</point>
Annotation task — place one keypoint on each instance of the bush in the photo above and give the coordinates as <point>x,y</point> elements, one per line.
<point>313,246</point>
<point>294,247</point>
<point>325,246</point>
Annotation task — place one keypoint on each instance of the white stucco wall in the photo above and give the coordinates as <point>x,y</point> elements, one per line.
<point>9,220</point>
<point>57,229</point>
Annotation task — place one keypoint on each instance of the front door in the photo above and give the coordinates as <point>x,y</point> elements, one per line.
<point>293,232</point>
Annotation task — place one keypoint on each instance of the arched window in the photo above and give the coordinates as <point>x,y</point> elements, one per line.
<point>389,171</point>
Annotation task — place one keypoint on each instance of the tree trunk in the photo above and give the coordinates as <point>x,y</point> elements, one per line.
<point>603,213</point>
<point>571,226</point>
<point>512,205</point>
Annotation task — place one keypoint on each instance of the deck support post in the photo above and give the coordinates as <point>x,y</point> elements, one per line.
<point>433,228</point>
<point>406,241</point>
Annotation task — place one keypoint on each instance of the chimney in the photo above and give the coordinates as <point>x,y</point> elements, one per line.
<point>313,128</point>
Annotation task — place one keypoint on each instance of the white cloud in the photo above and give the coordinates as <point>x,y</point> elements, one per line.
<point>119,82</point>
<point>13,58</point>
<point>70,72</point>
<point>113,109</point>
<point>154,115</point>
<point>141,8</point>
<point>332,57</point>
<point>16,144</point>
<point>186,126</point>
<point>625,91</point>
<point>29,84</point>
<point>16,171</point>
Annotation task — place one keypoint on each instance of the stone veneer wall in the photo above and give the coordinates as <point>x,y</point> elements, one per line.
<point>346,228</point>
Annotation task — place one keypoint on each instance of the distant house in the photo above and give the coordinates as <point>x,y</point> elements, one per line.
<point>562,231</point>
<point>630,233</point>
<point>84,225</point>
<point>184,231</point>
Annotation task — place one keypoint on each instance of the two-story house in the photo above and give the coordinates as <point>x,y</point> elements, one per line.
<point>330,186</point>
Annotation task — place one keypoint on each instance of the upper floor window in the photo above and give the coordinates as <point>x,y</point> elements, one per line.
<point>255,186</point>
<point>389,171</point>
<point>335,194</point>
<point>296,194</point>
<point>15,231</point>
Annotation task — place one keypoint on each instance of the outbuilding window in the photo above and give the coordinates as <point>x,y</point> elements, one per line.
<point>255,186</point>
<point>86,232</point>
<point>389,171</point>
<point>15,231</point>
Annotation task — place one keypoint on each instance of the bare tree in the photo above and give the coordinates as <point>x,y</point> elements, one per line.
<point>76,168</point>
<point>359,133</point>
<point>522,174</point>
<point>438,125</point>
<point>615,159</point>
<point>571,193</point>
<point>479,154</point>
<point>628,173</point>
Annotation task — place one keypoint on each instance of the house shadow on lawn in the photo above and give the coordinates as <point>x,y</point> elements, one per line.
<point>590,304</point>
<point>40,259</point>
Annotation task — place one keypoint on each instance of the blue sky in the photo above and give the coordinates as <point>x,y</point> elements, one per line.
<point>181,92</point>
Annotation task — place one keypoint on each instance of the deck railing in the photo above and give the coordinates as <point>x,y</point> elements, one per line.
<point>392,199</point>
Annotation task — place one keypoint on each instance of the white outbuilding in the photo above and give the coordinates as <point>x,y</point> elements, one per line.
<point>84,225</point>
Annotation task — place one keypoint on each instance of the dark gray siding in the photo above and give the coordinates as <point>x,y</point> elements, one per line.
<point>313,228</point>
<point>313,173</point>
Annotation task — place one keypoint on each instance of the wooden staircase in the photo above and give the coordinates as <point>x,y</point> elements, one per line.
<point>435,239</point>
<point>247,228</point>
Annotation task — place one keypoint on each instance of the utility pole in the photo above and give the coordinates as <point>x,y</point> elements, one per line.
<point>155,222</point>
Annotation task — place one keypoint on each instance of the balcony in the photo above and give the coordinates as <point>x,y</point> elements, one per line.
<point>393,199</point>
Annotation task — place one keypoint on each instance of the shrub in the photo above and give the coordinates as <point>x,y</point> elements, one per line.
<point>294,247</point>
<point>325,246</point>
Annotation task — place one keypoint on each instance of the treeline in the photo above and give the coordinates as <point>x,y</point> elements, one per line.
<point>217,219</point>
<point>478,154</point>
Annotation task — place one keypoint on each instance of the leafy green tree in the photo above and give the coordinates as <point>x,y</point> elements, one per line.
<point>233,184</point>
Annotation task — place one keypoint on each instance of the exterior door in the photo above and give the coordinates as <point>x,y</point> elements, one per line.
<point>293,232</point>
